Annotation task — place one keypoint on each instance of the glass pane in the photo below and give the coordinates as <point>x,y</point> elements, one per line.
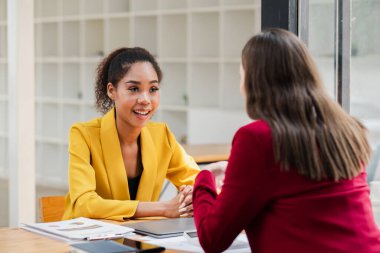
<point>321,39</point>
<point>365,66</point>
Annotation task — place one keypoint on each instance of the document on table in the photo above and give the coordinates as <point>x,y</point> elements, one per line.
<point>240,244</point>
<point>79,229</point>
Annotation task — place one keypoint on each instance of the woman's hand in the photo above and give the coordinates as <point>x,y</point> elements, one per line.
<point>186,207</point>
<point>180,205</point>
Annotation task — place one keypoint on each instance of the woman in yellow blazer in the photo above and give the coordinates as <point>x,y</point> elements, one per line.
<point>118,163</point>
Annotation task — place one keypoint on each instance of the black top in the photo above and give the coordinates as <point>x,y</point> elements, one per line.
<point>133,185</point>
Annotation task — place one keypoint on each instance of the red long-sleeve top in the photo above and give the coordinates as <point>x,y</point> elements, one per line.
<point>281,212</point>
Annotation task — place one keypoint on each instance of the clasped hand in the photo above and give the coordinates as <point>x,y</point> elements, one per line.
<point>182,204</point>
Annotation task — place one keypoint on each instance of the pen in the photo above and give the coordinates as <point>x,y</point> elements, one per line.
<point>104,237</point>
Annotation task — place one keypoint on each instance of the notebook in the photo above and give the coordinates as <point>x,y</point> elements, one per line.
<point>163,228</point>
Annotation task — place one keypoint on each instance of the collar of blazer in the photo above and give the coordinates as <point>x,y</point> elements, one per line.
<point>114,164</point>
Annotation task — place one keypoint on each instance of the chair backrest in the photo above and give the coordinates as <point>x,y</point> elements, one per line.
<point>51,208</point>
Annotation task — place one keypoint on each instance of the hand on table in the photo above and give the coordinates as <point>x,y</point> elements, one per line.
<point>182,204</point>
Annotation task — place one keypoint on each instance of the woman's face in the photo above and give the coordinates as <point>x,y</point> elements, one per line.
<point>137,95</point>
<point>242,74</point>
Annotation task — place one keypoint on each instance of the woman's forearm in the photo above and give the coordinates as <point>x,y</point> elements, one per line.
<point>148,209</point>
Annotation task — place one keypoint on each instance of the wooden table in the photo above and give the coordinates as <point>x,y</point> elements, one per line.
<point>19,240</point>
<point>13,240</point>
<point>208,153</point>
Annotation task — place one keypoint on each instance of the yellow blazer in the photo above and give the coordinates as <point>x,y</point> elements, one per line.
<point>98,184</point>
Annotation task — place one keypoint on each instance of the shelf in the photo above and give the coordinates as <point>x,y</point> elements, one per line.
<point>177,122</point>
<point>54,59</point>
<point>93,59</point>
<point>49,39</point>
<point>3,42</point>
<point>172,60</point>
<point>3,79</point>
<point>173,4</point>
<point>173,87</point>
<point>70,115</point>
<point>48,160</point>
<point>47,120</point>
<point>90,112</point>
<point>88,81</point>
<point>238,27</point>
<point>239,2</point>
<point>204,85</point>
<point>56,141</point>
<point>117,6</point>
<point>47,80</point>
<point>71,87</point>
<point>3,152</point>
<point>46,8</point>
<point>3,116</point>
<point>63,165</point>
<point>70,7</point>
<point>57,101</point>
<point>51,164</point>
<point>205,34</point>
<point>143,5</point>
<point>145,33</point>
<point>232,59</point>
<point>203,3</point>
<point>204,60</point>
<point>74,59</point>
<point>231,97</point>
<point>71,37</point>
<point>223,125</point>
<point>94,38</point>
<point>118,33</point>
<point>173,36</point>
<point>173,108</point>
<point>3,10</point>
<point>93,7</point>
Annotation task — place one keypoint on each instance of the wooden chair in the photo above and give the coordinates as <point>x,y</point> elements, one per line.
<point>51,208</point>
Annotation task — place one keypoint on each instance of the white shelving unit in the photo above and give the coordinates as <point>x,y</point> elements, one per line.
<point>197,43</point>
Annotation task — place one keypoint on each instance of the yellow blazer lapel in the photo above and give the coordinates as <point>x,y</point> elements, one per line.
<point>113,159</point>
<point>149,160</point>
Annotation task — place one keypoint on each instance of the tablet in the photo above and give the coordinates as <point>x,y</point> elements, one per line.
<point>112,246</point>
<point>163,228</point>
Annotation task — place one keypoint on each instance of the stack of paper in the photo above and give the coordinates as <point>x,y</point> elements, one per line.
<point>79,229</point>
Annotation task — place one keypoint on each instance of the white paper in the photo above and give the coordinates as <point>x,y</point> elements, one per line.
<point>240,244</point>
<point>81,229</point>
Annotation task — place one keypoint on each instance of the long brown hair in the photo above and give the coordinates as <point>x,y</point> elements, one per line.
<point>311,132</point>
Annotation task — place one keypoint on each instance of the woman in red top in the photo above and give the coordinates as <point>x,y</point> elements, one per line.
<point>295,180</point>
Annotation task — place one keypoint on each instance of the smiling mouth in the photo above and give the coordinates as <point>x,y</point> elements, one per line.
<point>142,112</point>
